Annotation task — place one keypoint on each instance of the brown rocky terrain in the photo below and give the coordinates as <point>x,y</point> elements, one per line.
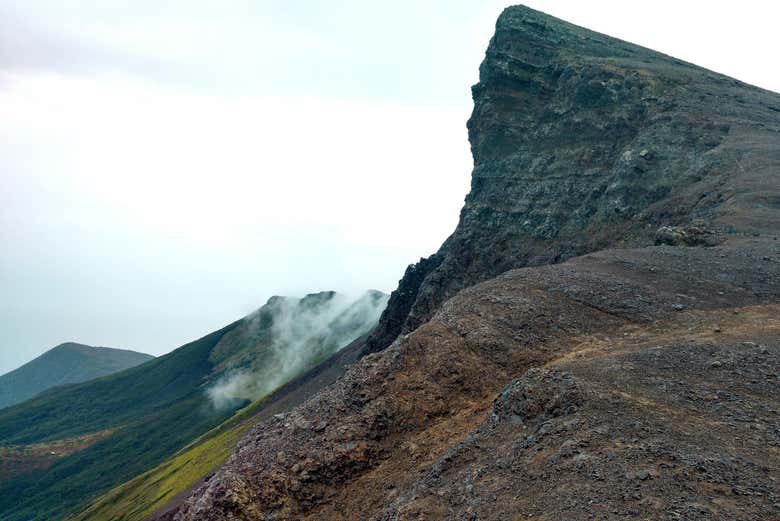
<point>627,382</point>
<point>599,338</point>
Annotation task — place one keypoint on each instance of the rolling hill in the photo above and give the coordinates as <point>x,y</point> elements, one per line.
<point>67,363</point>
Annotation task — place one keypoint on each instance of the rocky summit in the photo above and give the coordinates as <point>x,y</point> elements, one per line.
<point>598,339</point>
<point>583,142</point>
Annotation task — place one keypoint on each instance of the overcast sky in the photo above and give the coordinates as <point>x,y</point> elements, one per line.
<point>166,166</point>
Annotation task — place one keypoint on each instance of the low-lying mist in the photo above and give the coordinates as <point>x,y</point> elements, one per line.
<point>285,338</point>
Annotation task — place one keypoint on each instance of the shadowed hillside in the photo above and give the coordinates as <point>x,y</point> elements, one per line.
<point>67,363</point>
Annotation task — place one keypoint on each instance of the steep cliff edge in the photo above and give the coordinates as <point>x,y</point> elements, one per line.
<point>583,142</point>
<point>598,339</point>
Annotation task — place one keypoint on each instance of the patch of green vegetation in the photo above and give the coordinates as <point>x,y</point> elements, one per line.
<point>139,498</point>
<point>120,398</point>
<point>156,408</point>
<point>65,364</point>
<point>17,460</point>
<point>154,411</point>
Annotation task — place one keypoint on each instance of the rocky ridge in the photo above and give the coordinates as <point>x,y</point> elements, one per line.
<point>583,142</point>
<point>627,382</point>
<point>598,339</point>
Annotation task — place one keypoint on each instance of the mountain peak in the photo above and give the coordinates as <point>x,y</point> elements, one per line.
<point>613,272</point>
<point>69,346</point>
<point>583,142</point>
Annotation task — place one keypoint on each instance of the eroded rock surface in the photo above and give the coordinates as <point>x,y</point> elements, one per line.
<point>607,377</point>
<point>607,367</point>
<point>583,142</point>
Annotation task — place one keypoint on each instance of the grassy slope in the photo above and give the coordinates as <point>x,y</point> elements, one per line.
<point>140,497</point>
<point>156,408</point>
<point>111,400</point>
<point>65,364</point>
<point>16,460</point>
<point>146,494</point>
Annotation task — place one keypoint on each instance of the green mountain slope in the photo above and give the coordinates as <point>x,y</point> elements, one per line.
<point>67,363</point>
<point>161,487</point>
<point>138,498</point>
<point>155,409</point>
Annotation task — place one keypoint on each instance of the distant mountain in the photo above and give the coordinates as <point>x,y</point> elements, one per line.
<point>70,446</point>
<point>68,363</point>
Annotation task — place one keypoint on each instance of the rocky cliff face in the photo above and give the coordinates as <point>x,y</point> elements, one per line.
<point>635,381</point>
<point>583,142</point>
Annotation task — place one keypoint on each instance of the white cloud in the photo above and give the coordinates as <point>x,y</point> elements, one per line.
<point>196,165</point>
<point>125,200</point>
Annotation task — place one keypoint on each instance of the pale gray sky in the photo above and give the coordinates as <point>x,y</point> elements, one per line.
<point>165,167</point>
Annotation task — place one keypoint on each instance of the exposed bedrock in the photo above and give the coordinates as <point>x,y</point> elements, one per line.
<point>552,361</point>
<point>583,142</point>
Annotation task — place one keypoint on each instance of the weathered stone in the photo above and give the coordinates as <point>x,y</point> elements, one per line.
<point>570,385</point>
<point>685,236</point>
<point>583,142</point>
